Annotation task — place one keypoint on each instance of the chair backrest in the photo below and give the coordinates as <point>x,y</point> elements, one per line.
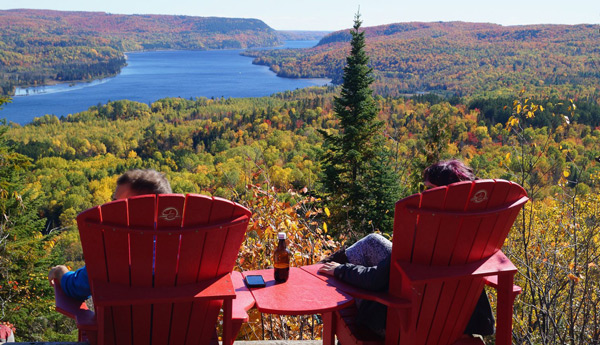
<point>445,226</point>
<point>161,241</point>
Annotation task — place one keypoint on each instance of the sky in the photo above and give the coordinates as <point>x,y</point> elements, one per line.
<point>331,15</point>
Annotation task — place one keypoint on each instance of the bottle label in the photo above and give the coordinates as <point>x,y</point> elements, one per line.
<point>281,265</point>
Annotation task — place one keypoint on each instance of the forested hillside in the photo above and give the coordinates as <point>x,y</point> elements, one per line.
<point>265,153</point>
<point>456,58</point>
<point>41,46</point>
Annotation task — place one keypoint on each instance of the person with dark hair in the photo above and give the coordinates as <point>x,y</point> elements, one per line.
<point>447,172</point>
<point>132,183</point>
<point>366,264</point>
<point>140,182</point>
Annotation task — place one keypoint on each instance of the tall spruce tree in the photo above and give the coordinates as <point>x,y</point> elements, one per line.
<point>361,186</point>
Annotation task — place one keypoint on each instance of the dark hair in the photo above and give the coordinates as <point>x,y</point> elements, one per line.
<point>447,172</point>
<point>145,182</point>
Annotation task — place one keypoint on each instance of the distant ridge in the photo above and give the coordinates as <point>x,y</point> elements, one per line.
<point>480,31</point>
<point>301,35</point>
<point>186,31</point>
<point>458,58</point>
<point>45,46</point>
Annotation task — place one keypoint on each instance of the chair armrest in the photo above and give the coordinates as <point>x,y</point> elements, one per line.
<point>380,297</point>
<point>107,294</point>
<point>377,296</point>
<point>72,308</point>
<point>496,264</point>
<point>493,282</point>
<point>243,300</point>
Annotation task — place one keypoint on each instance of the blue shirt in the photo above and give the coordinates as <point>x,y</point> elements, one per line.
<point>76,284</point>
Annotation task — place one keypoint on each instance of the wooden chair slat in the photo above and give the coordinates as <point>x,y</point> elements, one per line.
<point>491,227</point>
<point>426,236</point>
<point>456,199</point>
<point>169,215</point>
<point>461,307</point>
<point>199,208</point>
<point>406,221</point>
<point>118,266</point>
<point>92,242</point>
<point>214,251</point>
<point>191,253</point>
<point>141,213</point>
<point>515,192</point>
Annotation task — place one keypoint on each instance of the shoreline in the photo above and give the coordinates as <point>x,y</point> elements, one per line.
<point>71,83</point>
<point>23,89</point>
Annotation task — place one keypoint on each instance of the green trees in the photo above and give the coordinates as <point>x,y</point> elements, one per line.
<point>356,177</point>
<point>22,248</point>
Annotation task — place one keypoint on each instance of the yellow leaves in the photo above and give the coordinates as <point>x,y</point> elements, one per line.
<point>325,227</point>
<point>512,122</point>
<point>506,159</point>
<point>327,211</point>
<point>525,110</point>
<point>291,225</point>
<point>566,173</point>
<point>298,259</point>
<point>49,245</point>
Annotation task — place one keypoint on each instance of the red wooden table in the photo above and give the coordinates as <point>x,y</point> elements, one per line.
<point>303,294</point>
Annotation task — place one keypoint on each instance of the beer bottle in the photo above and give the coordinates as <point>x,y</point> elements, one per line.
<point>281,260</point>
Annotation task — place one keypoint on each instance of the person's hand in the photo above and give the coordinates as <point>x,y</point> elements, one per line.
<point>328,268</point>
<point>57,272</point>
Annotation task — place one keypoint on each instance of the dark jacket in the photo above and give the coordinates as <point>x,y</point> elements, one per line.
<point>377,278</point>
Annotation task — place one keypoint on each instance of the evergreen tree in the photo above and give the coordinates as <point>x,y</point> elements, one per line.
<point>357,178</point>
<point>21,246</point>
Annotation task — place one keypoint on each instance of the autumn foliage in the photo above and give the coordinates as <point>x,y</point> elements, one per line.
<point>457,58</point>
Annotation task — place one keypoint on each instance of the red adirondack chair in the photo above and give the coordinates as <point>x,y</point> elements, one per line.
<point>446,247</point>
<point>159,270</point>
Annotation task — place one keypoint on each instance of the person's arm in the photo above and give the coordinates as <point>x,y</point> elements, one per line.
<point>56,273</point>
<point>374,278</point>
<point>76,284</point>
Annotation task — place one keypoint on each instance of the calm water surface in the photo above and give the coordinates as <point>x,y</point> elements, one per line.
<point>150,76</point>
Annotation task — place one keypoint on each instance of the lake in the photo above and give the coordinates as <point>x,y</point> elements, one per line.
<point>150,76</point>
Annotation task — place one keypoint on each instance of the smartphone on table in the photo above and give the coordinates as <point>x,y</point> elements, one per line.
<point>253,281</point>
